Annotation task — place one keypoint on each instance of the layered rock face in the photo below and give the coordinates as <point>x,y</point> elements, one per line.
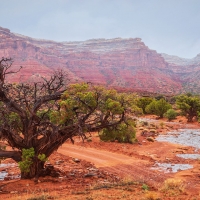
<point>126,64</point>
<point>188,71</point>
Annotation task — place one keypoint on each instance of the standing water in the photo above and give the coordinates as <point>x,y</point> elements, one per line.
<point>186,137</point>
<point>4,172</point>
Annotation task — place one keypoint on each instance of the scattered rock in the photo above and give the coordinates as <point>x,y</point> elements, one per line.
<point>61,178</point>
<point>93,169</point>
<point>76,160</point>
<point>13,192</point>
<point>58,162</point>
<point>89,175</point>
<point>7,178</point>
<point>55,173</point>
<point>148,133</point>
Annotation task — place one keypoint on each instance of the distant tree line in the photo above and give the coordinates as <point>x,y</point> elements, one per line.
<point>187,105</point>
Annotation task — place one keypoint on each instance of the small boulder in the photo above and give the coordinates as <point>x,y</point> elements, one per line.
<point>76,160</point>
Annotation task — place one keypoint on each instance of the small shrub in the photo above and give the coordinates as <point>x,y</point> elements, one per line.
<point>153,125</point>
<point>158,107</point>
<point>151,196</point>
<point>175,185</point>
<point>150,139</point>
<point>145,187</point>
<point>153,130</point>
<point>162,124</point>
<point>42,197</point>
<point>170,114</point>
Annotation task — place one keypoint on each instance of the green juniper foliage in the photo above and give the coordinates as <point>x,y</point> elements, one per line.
<point>124,132</point>
<point>170,114</point>
<point>27,159</point>
<point>158,107</point>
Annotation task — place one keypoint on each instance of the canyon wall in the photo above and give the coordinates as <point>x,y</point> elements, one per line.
<point>188,71</point>
<point>126,64</point>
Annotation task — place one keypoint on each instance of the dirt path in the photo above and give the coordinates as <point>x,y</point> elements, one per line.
<point>119,164</point>
<point>99,157</point>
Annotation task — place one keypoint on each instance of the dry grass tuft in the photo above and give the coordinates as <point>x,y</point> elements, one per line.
<point>173,186</point>
<point>151,196</point>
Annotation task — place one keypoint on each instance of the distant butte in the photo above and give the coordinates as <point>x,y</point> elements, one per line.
<point>126,64</point>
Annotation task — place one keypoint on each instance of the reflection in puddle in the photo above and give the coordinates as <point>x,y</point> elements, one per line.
<point>189,156</point>
<point>187,137</point>
<point>171,168</point>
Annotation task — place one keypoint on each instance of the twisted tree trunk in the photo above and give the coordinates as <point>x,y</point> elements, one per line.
<point>36,169</point>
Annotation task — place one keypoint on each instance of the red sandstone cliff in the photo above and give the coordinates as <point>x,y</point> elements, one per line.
<point>120,63</point>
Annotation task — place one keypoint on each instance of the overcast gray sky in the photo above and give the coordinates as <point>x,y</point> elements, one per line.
<point>168,26</point>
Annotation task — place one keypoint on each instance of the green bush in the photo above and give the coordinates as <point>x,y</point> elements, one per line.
<point>143,102</point>
<point>158,107</point>
<point>27,155</point>
<point>124,133</point>
<point>170,114</point>
<point>189,106</point>
<point>145,187</point>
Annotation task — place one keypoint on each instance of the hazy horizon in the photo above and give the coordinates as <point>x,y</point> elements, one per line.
<point>167,26</point>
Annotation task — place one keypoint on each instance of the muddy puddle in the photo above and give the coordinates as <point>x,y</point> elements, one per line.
<point>171,168</point>
<point>189,156</point>
<point>4,174</point>
<point>186,137</point>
